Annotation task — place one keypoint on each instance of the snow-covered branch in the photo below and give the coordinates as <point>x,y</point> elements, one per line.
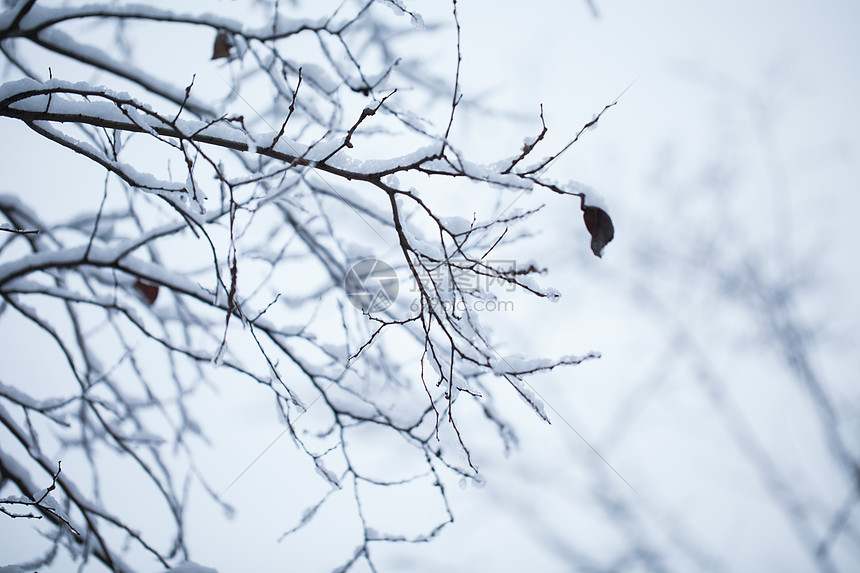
<point>257,259</point>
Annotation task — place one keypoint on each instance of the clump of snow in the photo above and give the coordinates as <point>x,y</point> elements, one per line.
<point>456,225</point>
<point>341,160</point>
<point>189,567</point>
<point>49,502</point>
<point>552,294</point>
<point>548,292</point>
<point>516,364</point>
<point>195,194</point>
<point>592,197</point>
<point>144,437</point>
<point>426,248</point>
<point>327,474</point>
<point>529,395</point>
<point>397,6</point>
<point>391,181</point>
<point>14,394</point>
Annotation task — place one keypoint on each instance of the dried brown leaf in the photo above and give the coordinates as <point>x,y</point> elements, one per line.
<point>599,224</point>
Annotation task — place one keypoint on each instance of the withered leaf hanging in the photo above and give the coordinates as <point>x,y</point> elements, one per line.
<point>147,291</point>
<point>599,224</point>
<point>223,43</point>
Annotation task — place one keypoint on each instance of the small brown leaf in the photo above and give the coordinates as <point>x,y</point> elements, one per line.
<point>599,224</point>
<point>147,291</point>
<point>223,43</point>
